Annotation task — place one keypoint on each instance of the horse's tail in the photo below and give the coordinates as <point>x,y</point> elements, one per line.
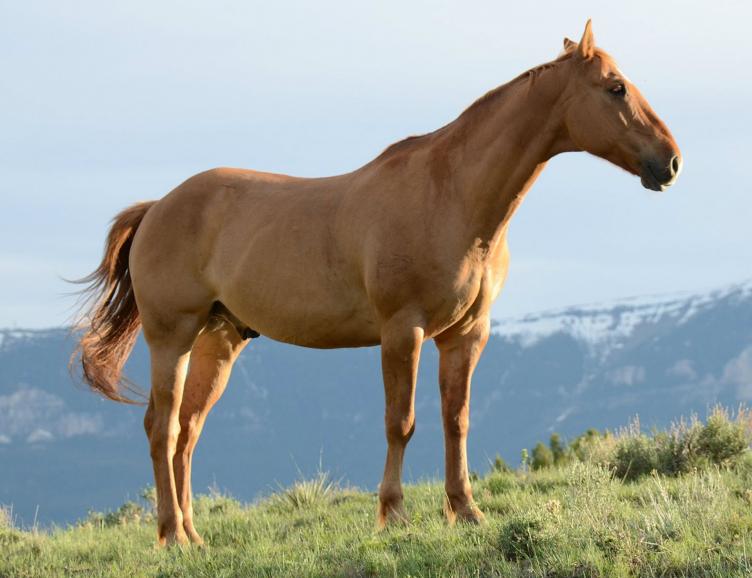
<point>110,319</point>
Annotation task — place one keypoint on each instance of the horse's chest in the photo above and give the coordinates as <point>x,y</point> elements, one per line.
<point>453,302</point>
<point>444,290</point>
<point>472,290</point>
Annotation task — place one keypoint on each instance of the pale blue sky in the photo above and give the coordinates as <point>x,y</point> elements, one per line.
<point>104,104</point>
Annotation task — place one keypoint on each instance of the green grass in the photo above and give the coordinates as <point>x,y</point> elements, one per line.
<point>574,520</point>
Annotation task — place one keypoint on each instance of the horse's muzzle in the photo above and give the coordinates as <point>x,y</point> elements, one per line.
<point>658,175</point>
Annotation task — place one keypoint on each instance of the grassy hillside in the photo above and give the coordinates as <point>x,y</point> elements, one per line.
<point>572,521</point>
<point>577,518</point>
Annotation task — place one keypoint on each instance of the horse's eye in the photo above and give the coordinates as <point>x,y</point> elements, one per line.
<point>618,90</point>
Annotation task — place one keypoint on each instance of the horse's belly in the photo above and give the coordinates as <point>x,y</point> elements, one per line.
<point>306,315</point>
<point>326,333</point>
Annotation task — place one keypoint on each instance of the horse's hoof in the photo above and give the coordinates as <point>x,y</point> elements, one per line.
<point>391,515</point>
<point>195,538</point>
<point>176,538</point>
<point>467,513</point>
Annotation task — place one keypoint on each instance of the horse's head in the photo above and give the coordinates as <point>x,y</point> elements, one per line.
<point>607,116</point>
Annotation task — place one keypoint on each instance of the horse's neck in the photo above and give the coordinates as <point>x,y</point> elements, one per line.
<point>501,146</point>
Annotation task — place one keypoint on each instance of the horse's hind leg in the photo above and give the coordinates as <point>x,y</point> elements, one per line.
<point>170,342</point>
<point>212,358</point>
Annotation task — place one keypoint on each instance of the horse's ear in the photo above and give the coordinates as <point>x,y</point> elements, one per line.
<point>586,47</point>
<point>569,46</point>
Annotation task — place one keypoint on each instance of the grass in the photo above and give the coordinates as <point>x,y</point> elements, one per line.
<point>669,504</point>
<point>574,520</point>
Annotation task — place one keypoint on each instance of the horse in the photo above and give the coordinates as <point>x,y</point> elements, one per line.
<point>409,247</point>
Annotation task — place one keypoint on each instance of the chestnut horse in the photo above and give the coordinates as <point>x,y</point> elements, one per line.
<point>412,246</point>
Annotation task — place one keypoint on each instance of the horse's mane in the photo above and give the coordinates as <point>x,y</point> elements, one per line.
<point>491,97</point>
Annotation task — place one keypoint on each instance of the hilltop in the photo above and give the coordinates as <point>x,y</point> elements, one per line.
<point>572,522</point>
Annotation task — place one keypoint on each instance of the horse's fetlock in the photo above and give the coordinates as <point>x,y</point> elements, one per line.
<point>390,494</point>
<point>461,495</point>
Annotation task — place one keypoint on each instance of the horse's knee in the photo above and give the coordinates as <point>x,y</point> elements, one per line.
<point>456,426</point>
<point>400,429</point>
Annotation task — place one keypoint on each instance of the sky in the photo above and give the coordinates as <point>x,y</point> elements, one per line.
<point>105,104</point>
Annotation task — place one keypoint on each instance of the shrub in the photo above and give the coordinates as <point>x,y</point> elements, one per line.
<point>127,514</point>
<point>687,446</point>
<point>543,457</point>
<point>594,447</point>
<point>525,536</point>
<point>524,460</point>
<point>215,502</point>
<point>499,484</point>
<point>149,496</point>
<point>678,449</point>
<point>307,493</point>
<point>205,505</point>
<point>558,449</point>
<point>723,440</point>
<point>583,445</point>
<point>636,455</point>
<point>499,465</point>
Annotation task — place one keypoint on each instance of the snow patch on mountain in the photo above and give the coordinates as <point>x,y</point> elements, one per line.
<point>602,326</point>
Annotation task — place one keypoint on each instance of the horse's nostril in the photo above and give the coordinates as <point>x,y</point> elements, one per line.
<point>675,165</point>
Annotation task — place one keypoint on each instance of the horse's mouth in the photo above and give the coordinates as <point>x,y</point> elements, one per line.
<point>650,181</point>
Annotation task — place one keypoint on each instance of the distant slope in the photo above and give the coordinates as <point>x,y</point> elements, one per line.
<point>64,449</point>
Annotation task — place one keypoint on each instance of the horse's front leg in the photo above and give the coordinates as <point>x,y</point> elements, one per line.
<point>459,353</point>
<point>401,341</point>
